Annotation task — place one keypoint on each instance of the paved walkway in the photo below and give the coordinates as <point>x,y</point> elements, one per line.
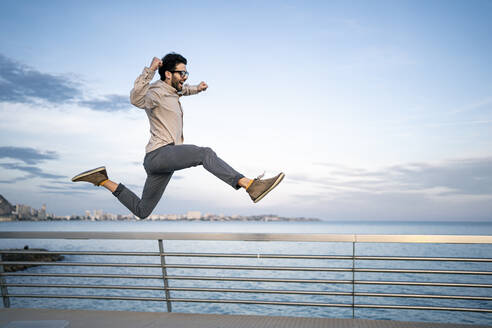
<point>122,319</point>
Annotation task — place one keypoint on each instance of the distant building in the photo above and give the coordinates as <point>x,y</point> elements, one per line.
<point>23,212</point>
<point>97,215</point>
<point>42,213</point>
<point>194,215</point>
<point>172,217</point>
<point>6,208</point>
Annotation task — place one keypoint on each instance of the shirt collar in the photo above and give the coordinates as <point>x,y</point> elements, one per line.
<point>168,87</point>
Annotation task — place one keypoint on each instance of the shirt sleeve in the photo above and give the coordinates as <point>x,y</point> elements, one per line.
<point>189,90</point>
<point>140,95</point>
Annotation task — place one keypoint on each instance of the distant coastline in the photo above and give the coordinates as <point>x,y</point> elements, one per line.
<point>21,212</point>
<point>193,217</point>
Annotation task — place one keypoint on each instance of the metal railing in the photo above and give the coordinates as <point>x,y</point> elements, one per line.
<point>354,265</point>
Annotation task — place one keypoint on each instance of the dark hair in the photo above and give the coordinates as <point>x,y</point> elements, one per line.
<point>169,63</point>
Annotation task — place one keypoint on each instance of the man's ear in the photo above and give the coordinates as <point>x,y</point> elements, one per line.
<point>168,75</point>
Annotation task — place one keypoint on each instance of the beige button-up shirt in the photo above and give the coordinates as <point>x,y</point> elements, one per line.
<point>163,108</point>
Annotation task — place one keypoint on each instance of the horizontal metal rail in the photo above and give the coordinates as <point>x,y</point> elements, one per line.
<point>332,305</point>
<point>81,275</point>
<point>258,291</point>
<point>38,252</point>
<point>426,284</point>
<point>254,291</point>
<point>176,254</point>
<point>244,267</point>
<point>256,256</point>
<point>424,271</point>
<point>91,297</point>
<point>178,236</point>
<point>122,287</point>
<point>252,267</point>
<point>248,279</point>
<point>407,307</point>
<point>295,237</point>
<point>413,258</point>
<point>84,264</point>
<point>261,256</point>
<point>453,297</point>
<point>196,300</point>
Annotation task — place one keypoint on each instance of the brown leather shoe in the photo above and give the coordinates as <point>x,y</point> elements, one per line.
<point>96,176</point>
<point>259,188</point>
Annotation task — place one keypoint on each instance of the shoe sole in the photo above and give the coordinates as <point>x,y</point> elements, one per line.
<point>279,179</point>
<point>86,173</point>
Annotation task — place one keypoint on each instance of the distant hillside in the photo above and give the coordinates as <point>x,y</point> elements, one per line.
<point>5,207</point>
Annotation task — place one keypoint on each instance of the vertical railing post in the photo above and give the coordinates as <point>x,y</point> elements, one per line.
<point>353,280</point>
<point>164,275</point>
<point>3,287</point>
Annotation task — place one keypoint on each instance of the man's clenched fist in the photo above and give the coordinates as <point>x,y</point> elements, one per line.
<point>202,86</point>
<point>156,63</point>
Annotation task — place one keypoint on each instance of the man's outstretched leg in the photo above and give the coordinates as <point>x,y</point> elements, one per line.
<point>178,157</point>
<point>154,187</point>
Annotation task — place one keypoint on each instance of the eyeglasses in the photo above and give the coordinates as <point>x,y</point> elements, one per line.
<point>182,73</point>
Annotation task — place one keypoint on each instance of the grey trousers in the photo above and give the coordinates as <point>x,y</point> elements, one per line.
<point>160,165</point>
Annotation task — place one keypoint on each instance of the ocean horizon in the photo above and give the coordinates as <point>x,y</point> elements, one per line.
<point>323,226</point>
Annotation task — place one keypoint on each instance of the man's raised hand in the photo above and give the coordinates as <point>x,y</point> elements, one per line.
<point>202,86</point>
<point>156,63</point>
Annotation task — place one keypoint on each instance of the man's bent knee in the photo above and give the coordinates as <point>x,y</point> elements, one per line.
<point>208,152</point>
<point>142,214</point>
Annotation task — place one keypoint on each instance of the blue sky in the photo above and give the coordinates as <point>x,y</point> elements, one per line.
<point>373,109</point>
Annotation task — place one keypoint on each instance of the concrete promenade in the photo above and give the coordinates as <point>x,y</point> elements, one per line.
<point>125,319</point>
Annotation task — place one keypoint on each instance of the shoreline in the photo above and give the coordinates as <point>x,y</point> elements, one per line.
<point>24,255</point>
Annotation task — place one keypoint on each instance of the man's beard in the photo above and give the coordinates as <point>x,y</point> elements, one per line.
<point>176,85</point>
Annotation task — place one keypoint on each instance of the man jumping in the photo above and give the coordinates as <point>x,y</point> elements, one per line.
<point>165,152</point>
